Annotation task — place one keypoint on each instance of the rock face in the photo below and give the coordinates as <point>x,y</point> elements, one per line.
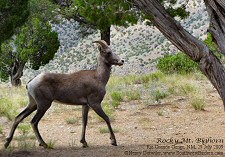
<point>140,45</point>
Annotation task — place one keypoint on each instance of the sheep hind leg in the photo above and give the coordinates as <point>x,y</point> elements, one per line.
<point>32,106</point>
<point>98,109</point>
<point>85,109</point>
<point>34,123</point>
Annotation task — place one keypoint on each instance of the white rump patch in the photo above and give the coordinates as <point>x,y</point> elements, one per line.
<point>34,83</point>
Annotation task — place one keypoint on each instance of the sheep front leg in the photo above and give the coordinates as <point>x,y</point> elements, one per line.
<point>85,109</point>
<point>98,109</point>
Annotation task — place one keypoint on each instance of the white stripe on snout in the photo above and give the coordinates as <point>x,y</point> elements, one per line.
<point>33,84</point>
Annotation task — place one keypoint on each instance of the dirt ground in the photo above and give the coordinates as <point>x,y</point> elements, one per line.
<point>172,128</point>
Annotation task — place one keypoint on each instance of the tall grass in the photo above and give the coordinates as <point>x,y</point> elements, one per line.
<point>12,100</point>
<point>198,103</point>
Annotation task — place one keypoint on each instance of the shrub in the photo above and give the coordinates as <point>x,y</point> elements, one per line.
<point>177,63</point>
<point>117,96</point>
<point>198,104</point>
<point>133,95</point>
<point>157,95</point>
<point>115,103</point>
<point>71,120</point>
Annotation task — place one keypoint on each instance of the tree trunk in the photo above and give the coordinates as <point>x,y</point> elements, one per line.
<point>216,11</point>
<point>209,64</point>
<point>16,72</point>
<point>105,35</point>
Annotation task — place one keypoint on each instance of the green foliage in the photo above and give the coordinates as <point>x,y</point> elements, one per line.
<point>35,41</point>
<point>103,13</point>
<point>214,47</point>
<point>43,10</point>
<point>44,44</point>
<point>179,11</point>
<point>117,96</point>
<point>178,63</point>
<point>115,103</point>
<point>211,44</point>
<point>5,60</point>
<point>12,14</point>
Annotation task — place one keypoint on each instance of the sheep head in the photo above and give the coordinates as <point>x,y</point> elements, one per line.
<point>107,55</point>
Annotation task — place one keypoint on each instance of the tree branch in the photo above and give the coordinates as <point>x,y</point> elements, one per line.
<point>173,30</point>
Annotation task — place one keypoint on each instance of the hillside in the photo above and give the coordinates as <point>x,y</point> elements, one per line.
<point>140,45</point>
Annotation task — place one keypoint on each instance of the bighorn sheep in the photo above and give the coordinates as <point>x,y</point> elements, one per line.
<point>85,87</point>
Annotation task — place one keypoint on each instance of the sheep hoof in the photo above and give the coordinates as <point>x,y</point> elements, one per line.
<point>6,144</point>
<point>113,142</point>
<point>85,145</point>
<point>8,140</point>
<point>43,145</point>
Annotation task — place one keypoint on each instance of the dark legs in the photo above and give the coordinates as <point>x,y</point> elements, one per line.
<point>98,109</point>
<point>85,109</point>
<point>26,112</point>
<point>41,110</point>
<point>34,123</point>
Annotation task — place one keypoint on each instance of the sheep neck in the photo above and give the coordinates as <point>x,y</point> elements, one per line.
<point>103,71</point>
